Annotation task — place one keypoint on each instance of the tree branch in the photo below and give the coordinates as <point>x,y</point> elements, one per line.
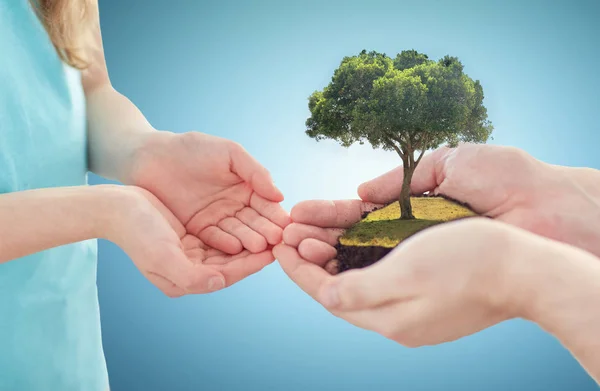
<point>411,158</point>
<point>402,143</point>
<point>420,157</point>
<point>398,150</point>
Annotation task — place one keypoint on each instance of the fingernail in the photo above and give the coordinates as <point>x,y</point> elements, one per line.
<point>216,283</point>
<point>331,297</point>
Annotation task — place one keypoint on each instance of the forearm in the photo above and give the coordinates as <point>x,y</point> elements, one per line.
<point>116,129</point>
<point>35,220</point>
<point>565,301</point>
<point>115,125</point>
<point>566,206</point>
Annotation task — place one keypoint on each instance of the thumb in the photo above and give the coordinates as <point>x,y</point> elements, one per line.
<point>427,176</point>
<point>252,172</point>
<point>171,263</point>
<point>360,289</point>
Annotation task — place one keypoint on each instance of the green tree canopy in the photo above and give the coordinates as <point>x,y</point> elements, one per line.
<point>408,104</point>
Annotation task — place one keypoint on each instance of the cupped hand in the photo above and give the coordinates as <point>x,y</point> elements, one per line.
<point>222,196</point>
<point>444,283</point>
<point>503,183</point>
<point>166,254</point>
<point>507,184</point>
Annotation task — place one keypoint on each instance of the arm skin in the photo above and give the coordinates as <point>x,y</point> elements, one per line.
<point>564,288</point>
<point>215,188</point>
<point>116,127</point>
<point>507,184</point>
<point>454,280</point>
<point>132,218</point>
<point>36,220</point>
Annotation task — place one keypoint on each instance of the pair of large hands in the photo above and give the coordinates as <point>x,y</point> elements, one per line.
<point>211,217</point>
<point>457,278</point>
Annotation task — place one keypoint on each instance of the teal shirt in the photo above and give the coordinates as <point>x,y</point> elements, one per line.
<point>49,316</point>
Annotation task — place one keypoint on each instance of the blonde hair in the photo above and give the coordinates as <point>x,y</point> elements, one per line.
<point>69,24</point>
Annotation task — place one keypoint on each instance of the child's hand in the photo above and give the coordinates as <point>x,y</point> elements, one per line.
<point>176,262</point>
<point>218,192</point>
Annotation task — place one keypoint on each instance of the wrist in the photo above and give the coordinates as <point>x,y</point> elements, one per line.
<point>528,266</point>
<point>148,147</point>
<point>553,282</point>
<point>111,204</point>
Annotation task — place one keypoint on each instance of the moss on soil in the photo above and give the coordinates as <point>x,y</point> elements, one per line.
<point>384,228</point>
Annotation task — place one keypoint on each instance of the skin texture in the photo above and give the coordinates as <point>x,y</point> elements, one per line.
<point>455,279</point>
<point>225,205</point>
<point>175,261</point>
<point>502,183</point>
<point>437,287</point>
<point>133,219</point>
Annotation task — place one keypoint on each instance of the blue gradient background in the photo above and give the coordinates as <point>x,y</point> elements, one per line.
<point>244,70</point>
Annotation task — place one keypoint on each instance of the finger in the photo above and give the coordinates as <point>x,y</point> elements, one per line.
<point>295,233</point>
<point>269,230</point>
<point>212,214</point>
<point>427,176</point>
<point>316,251</point>
<point>360,289</point>
<point>309,277</point>
<point>243,267</point>
<point>216,238</point>
<point>252,172</point>
<point>331,214</point>
<point>388,320</point>
<point>332,267</point>
<point>222,259</point>
<point>250,239</point>
<point>200,255</point>
<point>166,286</point>
<point>271,210</point>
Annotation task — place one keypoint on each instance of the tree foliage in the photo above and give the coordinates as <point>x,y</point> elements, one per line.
<point>407,104</point>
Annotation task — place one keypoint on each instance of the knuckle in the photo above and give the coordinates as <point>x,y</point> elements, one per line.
<point>244,213</point>
<point>516,153</point>
<point>401,335</point>
<point>446,149</point>
<point>350,297</point>
<point>191,282</point>
<point>289,235</point>
<point>260,244</point>
<point>274,235</point>
<point>172,294</point>
<point>189,138</point>
<point>409,342</point>
<point>389,331</point>
<point>234,146</point>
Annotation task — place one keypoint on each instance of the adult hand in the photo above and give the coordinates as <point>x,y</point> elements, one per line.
<point>507,184</point>
<point>177,262</point>
<point>457,278</point>
<point>219,193</point>
<point>504,183</point>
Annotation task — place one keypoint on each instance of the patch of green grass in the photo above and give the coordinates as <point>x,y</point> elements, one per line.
<point>383,227</point>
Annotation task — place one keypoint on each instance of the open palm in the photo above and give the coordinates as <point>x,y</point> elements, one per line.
<point>222,196</point>
<point>220,202</point>
<point>175,261</point>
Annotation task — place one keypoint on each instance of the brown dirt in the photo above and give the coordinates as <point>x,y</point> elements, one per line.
<point>354,257</point>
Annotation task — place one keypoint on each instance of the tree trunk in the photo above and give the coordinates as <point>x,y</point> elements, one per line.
<point>404,200</point>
